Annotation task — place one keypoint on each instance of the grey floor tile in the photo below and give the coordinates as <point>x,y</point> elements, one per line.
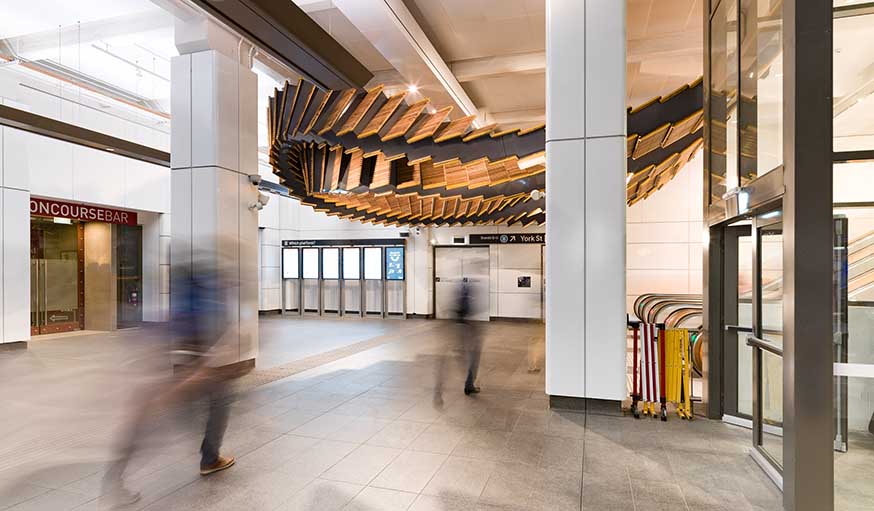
<point>359,429</point>
<point>435,503</point>
<point>410,471</point>
<point>322,495</point>
<point>438,438</point>
<point>362,465</point>
<point>462,478</point>
<point>398,435</point>
<point>372,499</point>
<point>315,460</point>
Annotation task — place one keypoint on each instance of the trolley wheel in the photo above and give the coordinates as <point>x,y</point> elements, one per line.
<point>634,411</point>
<point>664,414</point>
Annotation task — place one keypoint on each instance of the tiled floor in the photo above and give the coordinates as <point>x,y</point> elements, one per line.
<point>359,432</point>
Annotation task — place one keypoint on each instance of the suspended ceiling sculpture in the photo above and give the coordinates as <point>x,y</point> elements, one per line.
<point>374,158</point>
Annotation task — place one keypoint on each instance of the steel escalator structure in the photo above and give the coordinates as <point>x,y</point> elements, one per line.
<point>376,156</point>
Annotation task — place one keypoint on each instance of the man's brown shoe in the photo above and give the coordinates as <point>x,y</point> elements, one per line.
<point>222,463</point>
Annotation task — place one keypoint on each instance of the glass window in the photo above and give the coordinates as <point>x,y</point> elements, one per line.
<point>290,264</point>
<point>373,263</point>
<point>351,263</point>
<point>310,263</point>
<point>731,95</point>
<point>854,83</point>
<point>330,263</point>
<point>761,91</point>
<point>717,104</point>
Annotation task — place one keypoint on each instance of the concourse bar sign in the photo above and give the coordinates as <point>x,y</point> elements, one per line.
<point>505,239</point>
<point>83,212</point>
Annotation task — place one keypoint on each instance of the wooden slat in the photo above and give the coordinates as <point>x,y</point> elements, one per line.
<point>382,172</point>
<point>479,132</point>
<point>318,112</point>
<point>432,175</point>
<point>337,110</point>
<point>353,174</point>
<point>682,128</point>
<point>406,121</point>
<point>383,115</point>
<point>649,142</point>
<point>429,125</point>
<point>477,173</point>
<point>408,175</point>
<point>359,112</point>
<point>455,175</point>
<point>455,129</point>
<point>630,141</point>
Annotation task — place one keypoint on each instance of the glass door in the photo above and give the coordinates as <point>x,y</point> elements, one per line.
<point>766,340</point>
<point>56,275</point>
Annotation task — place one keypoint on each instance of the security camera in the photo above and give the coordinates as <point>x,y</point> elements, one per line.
<point>537,195</point>
<point>417,230</point>
<point>260,203</point>
<point>255,179</point>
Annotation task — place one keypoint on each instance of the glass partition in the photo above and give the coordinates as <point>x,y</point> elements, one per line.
<point>854,82</point>
<point>290,263</point>
<point>373,263</point>
<point>330,263</point>
<point>352,263</point>
<point>311,263</point>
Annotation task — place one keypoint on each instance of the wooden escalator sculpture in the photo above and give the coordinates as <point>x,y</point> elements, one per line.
<point>368,156</point>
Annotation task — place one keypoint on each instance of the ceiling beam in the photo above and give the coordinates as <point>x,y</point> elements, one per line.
<point>519,117</point>
<point>395,33</point>
<point>287,33</point>
<point>680,44</point>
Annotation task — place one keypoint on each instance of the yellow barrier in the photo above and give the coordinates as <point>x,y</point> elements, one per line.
<point>678,371</point>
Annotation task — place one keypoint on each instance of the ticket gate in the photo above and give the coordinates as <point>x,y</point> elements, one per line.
<point>324,277</point>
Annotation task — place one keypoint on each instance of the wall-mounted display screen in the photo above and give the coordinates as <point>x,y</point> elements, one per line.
<point>330,263</point>
<point>394,263</point>
<point>290,269</point>
<point>373,263</point>
<point>351,263</point>
<point>310,263</point>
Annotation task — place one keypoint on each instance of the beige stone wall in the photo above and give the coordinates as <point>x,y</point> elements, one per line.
<point>101,293</point>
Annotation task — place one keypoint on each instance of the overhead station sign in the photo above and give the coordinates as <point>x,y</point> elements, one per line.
<point>503,239</point>
<point>83,212</point>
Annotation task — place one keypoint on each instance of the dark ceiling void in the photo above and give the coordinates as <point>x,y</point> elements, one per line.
<point>284,31</point>
<point>363,155</point>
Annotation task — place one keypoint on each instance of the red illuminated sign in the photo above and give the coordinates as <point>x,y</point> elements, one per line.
<point>45,207</point>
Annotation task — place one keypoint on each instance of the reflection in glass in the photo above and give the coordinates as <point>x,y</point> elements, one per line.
<point>717,105</point>
<point>731,95</point>
<point>761,92</point>
<point>310,263</point>
<point>330,263</point>
<point>854,83</point>
<point>290,265</point>
<point>744,318</point>
<point>351,263</point>
<point>373,263</point>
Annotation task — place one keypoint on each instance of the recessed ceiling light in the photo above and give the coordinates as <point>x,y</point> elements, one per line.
<point>412,88</point>
<point>111,150</point>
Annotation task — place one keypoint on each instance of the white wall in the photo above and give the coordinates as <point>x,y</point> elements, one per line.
<point>287,219</point>
<point>664,238</point>
<point>35,165</point>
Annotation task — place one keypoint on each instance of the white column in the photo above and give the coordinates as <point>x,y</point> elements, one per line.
<point>214,150</point>
<point>14,238</point>
<point>585,151</point>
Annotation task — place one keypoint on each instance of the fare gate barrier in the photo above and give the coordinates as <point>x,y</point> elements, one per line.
<point>661,370</point>
<point>344,277</point>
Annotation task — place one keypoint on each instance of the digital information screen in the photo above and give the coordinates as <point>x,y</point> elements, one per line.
<point>373,263</point>
<point>290,268</point>
<point>330,263</point>
<point>351,263</point>
<point>394,263</point>
<point>310,263</point>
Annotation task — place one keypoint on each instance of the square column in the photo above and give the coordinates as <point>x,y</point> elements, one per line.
<point>214,151</point>
<point>585,250</point>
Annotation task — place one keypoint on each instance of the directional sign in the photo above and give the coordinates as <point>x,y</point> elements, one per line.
<point>508,238</point>
<point>394,263</point>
